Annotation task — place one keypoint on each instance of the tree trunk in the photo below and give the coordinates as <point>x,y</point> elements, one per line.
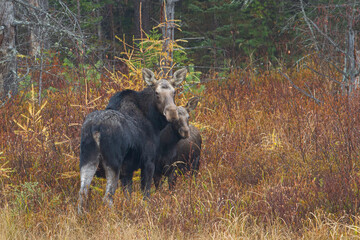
<point>352,63</point>
<point>141,17</point>
<point>38,35</point>
<point>145,15</point>
<point>137,20</point>
<point>166,61</point>
<point>8,80</point>
<point>349,78</point>
<point>34,32</point>
<point>99,28</point>
<point>216,25</point>
<point>112,29</point>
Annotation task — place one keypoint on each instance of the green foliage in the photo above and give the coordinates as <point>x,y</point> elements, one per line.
<point>147,52</point>
<point>27,196</point>
<point>233,31</point>
<point>192,82</point>
<point>88,72</point>
<point>25,83</point>
<point>150,50</point>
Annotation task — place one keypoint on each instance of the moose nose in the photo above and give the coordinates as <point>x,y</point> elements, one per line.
<point>184,132</point>
<point>171,113</point>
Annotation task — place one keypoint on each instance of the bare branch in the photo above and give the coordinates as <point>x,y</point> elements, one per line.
<point>323,75</point>
<point>57,27</point>
<point>327,37</point>
<point>300,90</point>
<point>307,20</point>
<point>54,28</point>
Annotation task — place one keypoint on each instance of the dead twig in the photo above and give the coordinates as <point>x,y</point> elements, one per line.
<point>300,90</point>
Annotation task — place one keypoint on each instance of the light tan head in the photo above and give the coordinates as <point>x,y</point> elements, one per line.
<point>165,91</point>
<point>182,124</point>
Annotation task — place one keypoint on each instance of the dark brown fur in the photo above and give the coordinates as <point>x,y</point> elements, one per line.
<point>127,133</point>
<point>182,154</point>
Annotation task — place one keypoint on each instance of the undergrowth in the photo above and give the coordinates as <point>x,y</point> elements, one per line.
<point>274,165</point>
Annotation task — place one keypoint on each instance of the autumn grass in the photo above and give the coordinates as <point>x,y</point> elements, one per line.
<point>274,165</point>
<point>108,224</point>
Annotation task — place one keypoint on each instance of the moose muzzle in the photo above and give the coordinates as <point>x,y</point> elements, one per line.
<point>171,114</point>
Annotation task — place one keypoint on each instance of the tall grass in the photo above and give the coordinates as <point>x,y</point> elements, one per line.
<point>274,165</point>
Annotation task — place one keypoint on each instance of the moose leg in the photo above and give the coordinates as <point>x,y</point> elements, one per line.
<point>126,182</point>
<point>147,174</point>
<point>172,179</point>
<point>112,178</point>
<point>195,166</point>
<point>87,173</point>
<point>157,180</point>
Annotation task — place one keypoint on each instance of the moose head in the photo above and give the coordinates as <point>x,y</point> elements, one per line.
<point>165,91</point>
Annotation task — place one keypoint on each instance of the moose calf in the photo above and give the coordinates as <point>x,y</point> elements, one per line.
<point>176,152</point>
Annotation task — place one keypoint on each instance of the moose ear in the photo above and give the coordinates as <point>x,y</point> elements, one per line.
<point>178,77</point>
<point>148,76</point>
<point>192,103</point>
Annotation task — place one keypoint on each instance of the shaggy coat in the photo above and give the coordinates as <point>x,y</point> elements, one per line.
<point>169,138</point>
<point>175,150</point>
<point>182,156</point>
<point>127,133</point>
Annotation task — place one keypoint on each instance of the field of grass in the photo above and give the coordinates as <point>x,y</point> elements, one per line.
<point>274,164</point>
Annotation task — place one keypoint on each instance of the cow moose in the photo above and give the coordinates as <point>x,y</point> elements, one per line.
<point>169,138</point>
<point>177,152</point>
<point>127,131</point>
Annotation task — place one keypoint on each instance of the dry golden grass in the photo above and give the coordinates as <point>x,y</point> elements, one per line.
<point>111,224</point>
<point>274,165</point>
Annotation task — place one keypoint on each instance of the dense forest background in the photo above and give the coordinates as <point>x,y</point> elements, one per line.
<point>278,83</point>
<point>212,36</point>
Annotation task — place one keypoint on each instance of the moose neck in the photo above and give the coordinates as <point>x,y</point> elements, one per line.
<point>146,101</point>
<point>169,136</point>
<point>125,102</point>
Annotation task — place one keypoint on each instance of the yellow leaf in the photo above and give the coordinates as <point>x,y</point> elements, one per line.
<point>69,174</point>
<point>59,143</point>
<point>21,126</point>
<point>21,56</point>
<point>41,108</point>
